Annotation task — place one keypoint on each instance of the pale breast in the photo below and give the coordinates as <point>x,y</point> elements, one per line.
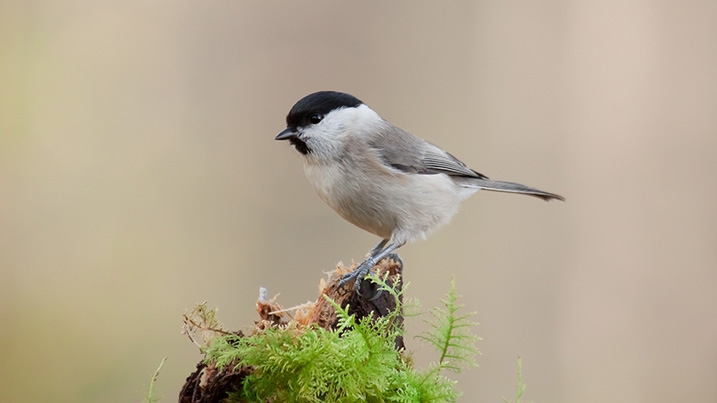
<point>354,196</point>
<point>393,205</point>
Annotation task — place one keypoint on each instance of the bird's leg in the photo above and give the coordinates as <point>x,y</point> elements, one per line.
<point>378,248</point>
<point>374,252</point>
<point>377,253</point>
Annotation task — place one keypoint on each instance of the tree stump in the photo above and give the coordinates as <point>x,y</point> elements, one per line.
<point>208,384</point>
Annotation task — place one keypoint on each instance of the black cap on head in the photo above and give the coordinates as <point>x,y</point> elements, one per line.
<point>320,103</point>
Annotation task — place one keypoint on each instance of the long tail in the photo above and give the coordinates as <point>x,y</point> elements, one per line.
<point>510,187</point>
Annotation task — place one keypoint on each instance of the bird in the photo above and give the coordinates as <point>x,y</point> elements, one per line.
<point>380,177</point>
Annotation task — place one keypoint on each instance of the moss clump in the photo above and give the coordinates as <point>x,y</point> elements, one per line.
<point>357,361</point>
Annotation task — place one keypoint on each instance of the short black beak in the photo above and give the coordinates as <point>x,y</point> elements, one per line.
<point>286,134</point>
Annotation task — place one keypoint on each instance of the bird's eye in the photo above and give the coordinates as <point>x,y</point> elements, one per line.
<point>316,118</point>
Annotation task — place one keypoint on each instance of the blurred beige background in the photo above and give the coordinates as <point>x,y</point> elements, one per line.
<point>139,176</point>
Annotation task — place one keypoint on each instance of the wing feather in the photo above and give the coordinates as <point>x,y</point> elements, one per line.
<point>405,152</point>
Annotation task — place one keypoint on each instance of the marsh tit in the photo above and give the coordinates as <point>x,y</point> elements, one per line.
<point>378,176</point>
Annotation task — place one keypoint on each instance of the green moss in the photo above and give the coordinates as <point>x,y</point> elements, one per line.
<point>357,362</point>
<point>519,386</point>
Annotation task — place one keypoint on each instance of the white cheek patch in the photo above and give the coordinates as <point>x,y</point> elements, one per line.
<point>358,120</point>
<point>328,138</point>
<point>365,119</point>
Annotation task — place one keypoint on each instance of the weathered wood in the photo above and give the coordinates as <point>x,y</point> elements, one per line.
<point>207,384</point>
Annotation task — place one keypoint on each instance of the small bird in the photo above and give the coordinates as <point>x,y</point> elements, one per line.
<point>378,176</point>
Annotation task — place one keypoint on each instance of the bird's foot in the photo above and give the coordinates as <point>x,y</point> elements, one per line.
<point>367,288</point>
<point>359,273</point>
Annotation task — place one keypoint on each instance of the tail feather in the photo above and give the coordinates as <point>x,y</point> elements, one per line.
<point>510,187</point>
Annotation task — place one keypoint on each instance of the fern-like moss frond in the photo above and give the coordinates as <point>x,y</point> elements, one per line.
<point>450,333</point>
